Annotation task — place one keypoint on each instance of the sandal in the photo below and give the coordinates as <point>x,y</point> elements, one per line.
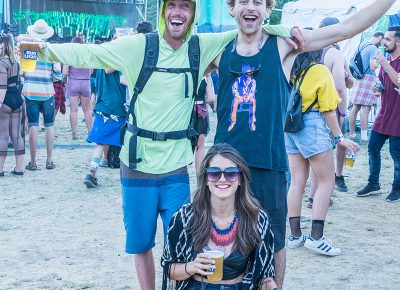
<point>19,173</point>
<point>50,165</point>
<point>31,166</point>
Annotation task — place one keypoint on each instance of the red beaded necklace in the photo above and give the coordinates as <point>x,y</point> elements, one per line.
<point>226,236</point>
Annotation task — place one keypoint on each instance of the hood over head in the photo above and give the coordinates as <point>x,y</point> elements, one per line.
<point>161,20</point>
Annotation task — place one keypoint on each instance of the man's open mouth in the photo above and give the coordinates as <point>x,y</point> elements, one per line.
<point>250,18</point>
<point>176,22</point>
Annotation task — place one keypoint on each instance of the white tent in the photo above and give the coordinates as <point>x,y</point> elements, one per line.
<point>309,13</point>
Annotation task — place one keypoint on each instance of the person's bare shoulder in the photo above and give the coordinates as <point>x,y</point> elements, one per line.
<point>333,56</point>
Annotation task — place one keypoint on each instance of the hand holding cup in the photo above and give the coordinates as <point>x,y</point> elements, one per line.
<point>202,265</point>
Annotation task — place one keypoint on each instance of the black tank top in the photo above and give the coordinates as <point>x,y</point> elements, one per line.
<point>252,102</point>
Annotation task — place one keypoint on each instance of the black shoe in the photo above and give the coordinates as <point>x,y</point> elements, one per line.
<point>370,189</point>
<point>340,184</point>
<point>393,196</point>
<point>90,181</point>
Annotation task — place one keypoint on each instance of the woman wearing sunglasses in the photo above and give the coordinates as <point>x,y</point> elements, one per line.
<point>225,214</point>
<point>11,106</point>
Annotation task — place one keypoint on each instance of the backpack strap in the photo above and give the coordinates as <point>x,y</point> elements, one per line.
<point>298,88</point>
<point>149,64</point>
<point>194,60</point>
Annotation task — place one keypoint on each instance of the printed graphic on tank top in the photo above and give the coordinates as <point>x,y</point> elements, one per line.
<point>252,104</point>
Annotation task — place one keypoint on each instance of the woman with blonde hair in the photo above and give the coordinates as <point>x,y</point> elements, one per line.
<point>11,106</point>
<point>223,214</point>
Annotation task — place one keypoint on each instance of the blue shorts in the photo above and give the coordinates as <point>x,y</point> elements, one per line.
<point>34,108</point>
<point>144,197</point>
<point>313,139</point>
<point>106,131</point>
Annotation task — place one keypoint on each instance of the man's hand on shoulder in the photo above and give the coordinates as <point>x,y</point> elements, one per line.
<point>297,40</point>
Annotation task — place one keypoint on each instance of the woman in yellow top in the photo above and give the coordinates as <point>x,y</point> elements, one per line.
<point>312,146</point>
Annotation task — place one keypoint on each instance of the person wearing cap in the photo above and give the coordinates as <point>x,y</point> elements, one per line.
<point>39,93</point>
<point>159,185</point>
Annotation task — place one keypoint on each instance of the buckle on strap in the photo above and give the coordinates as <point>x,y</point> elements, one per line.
<point>159,136</point>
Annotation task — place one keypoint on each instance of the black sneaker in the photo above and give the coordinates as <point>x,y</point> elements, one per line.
<point>340,184</point>
<point>393,196</point>
<point>90,181</point>
<point>370,189</point>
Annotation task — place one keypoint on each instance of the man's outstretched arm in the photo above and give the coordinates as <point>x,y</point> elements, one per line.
<point>360,21</point>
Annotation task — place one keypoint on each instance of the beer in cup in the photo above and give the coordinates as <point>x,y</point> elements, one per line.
<point>28,53</point>
<point>217,254</point>
<point>349,159</point>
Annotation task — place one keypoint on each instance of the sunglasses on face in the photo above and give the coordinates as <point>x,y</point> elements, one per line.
<point>231,174</point>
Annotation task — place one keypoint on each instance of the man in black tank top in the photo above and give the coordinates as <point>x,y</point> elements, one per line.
<point>254,72</point>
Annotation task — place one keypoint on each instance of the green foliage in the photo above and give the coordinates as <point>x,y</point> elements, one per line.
<point>152,12</point>
<point>276,15</point>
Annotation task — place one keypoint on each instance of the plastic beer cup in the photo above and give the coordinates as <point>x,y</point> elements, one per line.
<point>28,53</point>
<point>349,159</point>
<point>217,254</point>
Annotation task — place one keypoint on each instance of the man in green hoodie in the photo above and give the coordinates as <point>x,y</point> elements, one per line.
<point>159,183</point>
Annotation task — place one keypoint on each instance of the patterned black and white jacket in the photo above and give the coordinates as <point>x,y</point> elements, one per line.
<point>179,249</point>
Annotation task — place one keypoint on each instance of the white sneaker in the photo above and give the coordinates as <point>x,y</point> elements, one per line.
<point>322,246</point>
<point>296,242</point>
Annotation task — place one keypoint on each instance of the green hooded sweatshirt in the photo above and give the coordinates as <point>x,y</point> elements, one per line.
<point>162,105</point>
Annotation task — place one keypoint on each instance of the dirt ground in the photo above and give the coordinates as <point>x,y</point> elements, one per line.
<point>57,234</point>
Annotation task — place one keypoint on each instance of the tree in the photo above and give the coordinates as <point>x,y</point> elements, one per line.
<point>275,17</point>
<point>152,13</point>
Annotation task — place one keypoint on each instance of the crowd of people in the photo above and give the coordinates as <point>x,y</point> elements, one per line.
<point>155,112</point>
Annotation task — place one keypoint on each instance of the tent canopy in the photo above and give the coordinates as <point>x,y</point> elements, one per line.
<point>309,13</point>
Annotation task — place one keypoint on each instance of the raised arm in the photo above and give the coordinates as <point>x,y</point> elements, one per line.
<point>117,54</point>
<point>320,38</point>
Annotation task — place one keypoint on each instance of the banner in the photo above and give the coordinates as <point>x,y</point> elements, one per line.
<point>94,19</point>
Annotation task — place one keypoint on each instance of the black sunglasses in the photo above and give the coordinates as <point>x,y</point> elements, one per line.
<point>231,174</point>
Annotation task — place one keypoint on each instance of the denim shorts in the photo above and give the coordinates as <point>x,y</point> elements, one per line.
<point>313,139</point>
<point>196,285</point>
<point>34,108</point>
<point>144,197</point>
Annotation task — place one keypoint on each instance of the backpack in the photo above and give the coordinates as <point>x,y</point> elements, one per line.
<point>294,116</point>
<point>149,66</point>
<point>356,64</point>
<point>113,156</point>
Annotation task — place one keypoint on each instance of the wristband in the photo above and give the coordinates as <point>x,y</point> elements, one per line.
<point>186,270</point>
<point>339,139</point>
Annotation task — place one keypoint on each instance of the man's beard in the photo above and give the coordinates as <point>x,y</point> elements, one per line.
<point>391,50</point>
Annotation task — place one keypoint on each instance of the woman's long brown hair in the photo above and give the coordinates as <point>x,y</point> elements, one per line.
<point>8,47</point>
<point>247,206</point>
